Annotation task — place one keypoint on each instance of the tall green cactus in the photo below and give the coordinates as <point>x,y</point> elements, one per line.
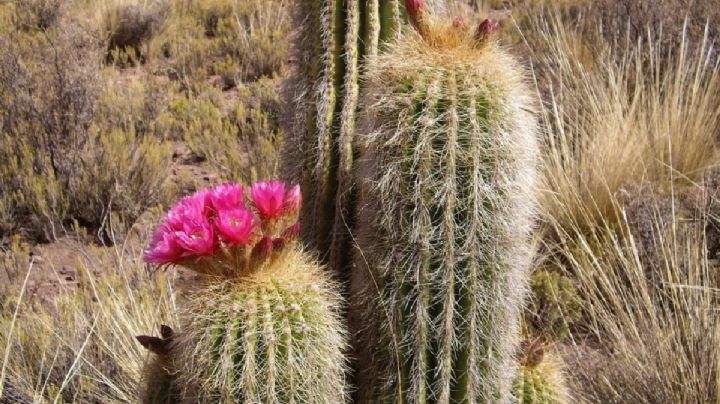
<point>273,336</point>
<point>445,209</point>
<point>337,41</point>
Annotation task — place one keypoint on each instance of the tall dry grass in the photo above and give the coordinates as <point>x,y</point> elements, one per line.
<point>625,116</point>
<point>81,347</point>
<point>616,114</point>
<point>650,331</point>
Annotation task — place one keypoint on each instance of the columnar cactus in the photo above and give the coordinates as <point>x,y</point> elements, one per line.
<point>445,209</point>
<point>261,324</point>
<point>338,39</point>
<point>539,378</point>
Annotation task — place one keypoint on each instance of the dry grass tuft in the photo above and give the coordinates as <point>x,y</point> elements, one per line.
<point>656,326</point>
<point>81,348</point>
<point>37,14</point>
<point>626,120</point>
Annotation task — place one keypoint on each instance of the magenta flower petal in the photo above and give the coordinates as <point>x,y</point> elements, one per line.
<point>227,196</point>
<point>193,208</point>
<point>164,248</point>
<point>268,197</point>
<point>236,225</point>
<point>293,200</point>
<point>197,238</point>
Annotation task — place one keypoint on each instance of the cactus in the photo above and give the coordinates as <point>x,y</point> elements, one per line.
<point>261,323</point>
<point>446,172</point>
<point>270,338</point>
<point>540,379</point>
<point>337,41</point>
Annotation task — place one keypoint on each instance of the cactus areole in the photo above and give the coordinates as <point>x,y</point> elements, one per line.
<point>446,170</point>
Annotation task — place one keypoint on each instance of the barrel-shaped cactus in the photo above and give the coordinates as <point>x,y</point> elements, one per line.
<point>273,337</point>
<point>336,41</point>
<point>445,208</point>
<point>540,378</point>
<point>261,322</point>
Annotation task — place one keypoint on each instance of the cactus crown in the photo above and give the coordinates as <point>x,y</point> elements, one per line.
<point>439,33</point>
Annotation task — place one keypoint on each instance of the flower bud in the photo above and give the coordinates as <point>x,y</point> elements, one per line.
<point>486,29</point>
<point>291,233</point>
<point>415,11</point>
<point>279,243</point>
<point>459,22</point>
<point>262,249</point>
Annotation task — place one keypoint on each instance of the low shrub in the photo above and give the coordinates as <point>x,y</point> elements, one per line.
<point>243,144</point>
<point>60,163</point>
<point>37,14</point>
<point>131,26</point>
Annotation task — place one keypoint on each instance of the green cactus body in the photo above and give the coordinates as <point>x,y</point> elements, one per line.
<point>337,41</point>
<point>268,337</point>
<point>541,383</point>
<point>443,217</point>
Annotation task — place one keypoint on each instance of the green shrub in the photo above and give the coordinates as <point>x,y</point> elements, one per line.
<point>61,161</point>
<point>554,303</point>
<point>183,49</point>
<point>130,27</point>
<point>237,40</point>
<point>239,144</point>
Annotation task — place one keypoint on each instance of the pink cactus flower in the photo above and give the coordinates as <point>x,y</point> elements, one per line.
<point>293,200</point>
<point>195,207</point>
<point>227,196</point>
<point>236,225</point>
<point>164,248</point>
<point>268,197</point>
<point>197,238</point>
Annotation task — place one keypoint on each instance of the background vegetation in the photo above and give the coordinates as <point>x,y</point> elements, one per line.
<point>113,108</point>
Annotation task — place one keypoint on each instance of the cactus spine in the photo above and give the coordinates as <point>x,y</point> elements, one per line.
<point>337,41</point>
<point>444,213</point>
<point>540,378</point>
<point>273,337</point>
